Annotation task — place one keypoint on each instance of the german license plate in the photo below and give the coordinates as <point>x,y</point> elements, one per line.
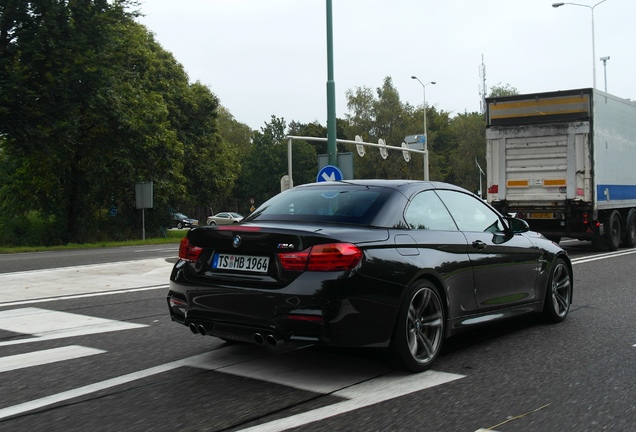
<point>540,215</point>
<point>257,264</point>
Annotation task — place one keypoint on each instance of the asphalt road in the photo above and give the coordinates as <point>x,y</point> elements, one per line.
<point>87,344</point>
<point>76,257</point>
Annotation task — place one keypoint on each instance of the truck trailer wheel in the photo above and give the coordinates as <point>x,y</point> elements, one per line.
<point>630,229</point>
<point>614,231</point>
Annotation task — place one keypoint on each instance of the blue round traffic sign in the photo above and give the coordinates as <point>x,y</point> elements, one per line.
<point>329,173</point>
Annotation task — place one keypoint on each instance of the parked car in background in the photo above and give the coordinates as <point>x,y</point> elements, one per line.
<point>224,218</point>
<point>180,221</point>
<point>393,264</point>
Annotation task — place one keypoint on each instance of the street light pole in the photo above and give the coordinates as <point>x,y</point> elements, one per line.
<point>332,150</point>
<point>591,8</point>
<point>604,60</point>
<point>425,129</point>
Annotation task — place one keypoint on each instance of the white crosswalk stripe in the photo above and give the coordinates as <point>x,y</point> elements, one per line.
<point>45,324</point>
<point>38,358</point>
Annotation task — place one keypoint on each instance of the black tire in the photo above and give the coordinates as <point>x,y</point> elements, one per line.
<point>630,229</point>
<point>420,328</point>
<point>212,223</point>
<point>179,225</point>
<point>558,295</point>
<point>613,231</point>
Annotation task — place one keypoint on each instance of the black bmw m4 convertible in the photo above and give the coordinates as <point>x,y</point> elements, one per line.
<point>393,264</point>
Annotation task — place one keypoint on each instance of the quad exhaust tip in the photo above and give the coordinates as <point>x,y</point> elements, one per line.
<point>269,338</point>
<point>199,329</point>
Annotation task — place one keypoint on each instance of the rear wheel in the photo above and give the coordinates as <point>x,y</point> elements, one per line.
<point>212,223</point>
<point>614,231</point>
<point>630,229</point>
<point>558,296</point>
<point>419,332</point>
<point>179,225</point>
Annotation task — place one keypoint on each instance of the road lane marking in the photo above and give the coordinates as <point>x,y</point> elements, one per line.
<point>583,260</point>
<point>39,358</point>
<point>79,296</point>
<point>361,395</point>
<point>370,389</point>
<point>86,390</point>
<point>361,382</point>
<point>130,264</point>
<point>221,357</point>
<point>305,370</point>
<point>45,324</point>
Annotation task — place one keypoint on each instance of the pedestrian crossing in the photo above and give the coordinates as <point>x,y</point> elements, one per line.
<point>354,382</point>
<point>38,324</point>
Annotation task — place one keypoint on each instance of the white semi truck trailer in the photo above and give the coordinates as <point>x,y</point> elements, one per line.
<point>565,161</point>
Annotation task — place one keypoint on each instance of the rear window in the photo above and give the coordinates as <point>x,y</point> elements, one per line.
<point>329,204</point>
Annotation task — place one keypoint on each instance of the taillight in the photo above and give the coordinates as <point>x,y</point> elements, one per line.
<point>189,252</point>
<point>326,257</point>
<point>294,260</point>
<point>309,318</point>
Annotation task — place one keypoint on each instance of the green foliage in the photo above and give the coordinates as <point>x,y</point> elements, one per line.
<point>469,135</point>
<point>386,117</point>
<point>90,105</point>
<point>503,90</point>
<point>29,229</point>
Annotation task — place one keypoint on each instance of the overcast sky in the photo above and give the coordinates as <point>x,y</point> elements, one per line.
<point>269,57</point>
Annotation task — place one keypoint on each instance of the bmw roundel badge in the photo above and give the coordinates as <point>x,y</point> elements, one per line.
<point>236,241</point>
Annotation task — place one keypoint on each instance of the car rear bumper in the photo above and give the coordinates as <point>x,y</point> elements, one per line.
<point>352,312</point>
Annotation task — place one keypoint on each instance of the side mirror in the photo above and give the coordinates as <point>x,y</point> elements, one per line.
<point>518,226</point>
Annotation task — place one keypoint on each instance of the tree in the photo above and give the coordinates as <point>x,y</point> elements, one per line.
<point>90,105</point>
<point>469,136</point>
<point>266,162</point>
<point>237,137</point>
<point>503,90</point>
<point>387,118</point>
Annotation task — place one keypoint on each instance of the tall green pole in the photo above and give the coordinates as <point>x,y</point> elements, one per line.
<point>331,94</point>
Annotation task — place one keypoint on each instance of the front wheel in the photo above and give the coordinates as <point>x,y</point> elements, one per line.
<point>419,331</point>
<point>558,296</point>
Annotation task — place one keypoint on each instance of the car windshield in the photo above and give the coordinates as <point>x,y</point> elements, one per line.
<point>329,204</point>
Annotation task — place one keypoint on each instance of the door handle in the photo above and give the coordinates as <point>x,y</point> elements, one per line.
<point>478,244</point>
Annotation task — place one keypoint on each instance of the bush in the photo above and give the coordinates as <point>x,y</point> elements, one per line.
<point>30,229</point>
